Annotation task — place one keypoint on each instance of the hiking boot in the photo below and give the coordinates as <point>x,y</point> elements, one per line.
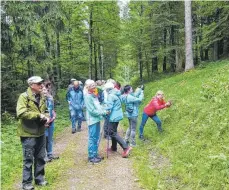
<point>133,144</point>
<point>100,157</point>
<point>126,152</point>
<point>141,137</point>
<point>78,129</point>
<point>27,187</point>
<point>53,157</point>
<point>42,183</point>
<point>95,160</point>
<point>73,130</point>
<point>47,159</point>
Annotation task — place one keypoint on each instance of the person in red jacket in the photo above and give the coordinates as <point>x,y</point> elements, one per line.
<point>157,103</point>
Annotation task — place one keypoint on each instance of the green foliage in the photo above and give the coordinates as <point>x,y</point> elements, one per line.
<point>192,152</point>
<point>7,118</point>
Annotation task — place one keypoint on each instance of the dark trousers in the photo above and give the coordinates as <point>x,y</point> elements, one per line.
<point>115,138</point>
<point>33,154</point>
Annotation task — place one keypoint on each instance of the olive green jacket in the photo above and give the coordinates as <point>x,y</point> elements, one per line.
<point>28,113</point>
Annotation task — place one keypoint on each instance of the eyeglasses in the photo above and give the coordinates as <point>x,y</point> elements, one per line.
<point>40,83</point>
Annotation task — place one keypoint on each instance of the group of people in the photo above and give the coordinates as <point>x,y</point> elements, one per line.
<point>102,100</point>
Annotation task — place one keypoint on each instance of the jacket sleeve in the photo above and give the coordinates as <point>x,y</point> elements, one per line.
<point>82,102</point>
<point>22,109</point>
<point>110,102</point>
<point>92,109</point>
<point>156,104</point>
<point>132,99</point>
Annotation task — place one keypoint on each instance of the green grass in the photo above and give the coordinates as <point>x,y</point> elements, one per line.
<point>193,151</point>
<point>11,154</point>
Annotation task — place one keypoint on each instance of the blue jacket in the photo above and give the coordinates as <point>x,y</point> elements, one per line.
<point>132,102</point>
<point>50,105</point>
<point>113,104</point>
<point>75,96</point>
<point>94,111</point>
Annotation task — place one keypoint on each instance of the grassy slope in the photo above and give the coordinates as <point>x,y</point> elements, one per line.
<point>193,151</point>
<point>11,150</point>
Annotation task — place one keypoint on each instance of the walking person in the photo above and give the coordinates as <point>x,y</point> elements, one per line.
<point>95,113</point>
<point>31,129</point>
<point>117,87</point>
<point>49,131</point>
<point>71,84</point>
<point>132,102</point>
<point>75,100</point>
<point>157,103</point>
<point>115,108</point>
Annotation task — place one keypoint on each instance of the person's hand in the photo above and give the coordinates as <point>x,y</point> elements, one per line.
<point>168,104</point>
<point>141,86</point>
<point>47,123</point>
<point>48,120</point>
<point>43,117</point>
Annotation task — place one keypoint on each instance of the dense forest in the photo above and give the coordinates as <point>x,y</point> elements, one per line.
<point>131,42</point>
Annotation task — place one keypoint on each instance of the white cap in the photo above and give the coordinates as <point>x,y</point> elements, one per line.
<point>109,85</point>
<point>34,80</point>
<point>112,81</point>
<point>89,82</point>
<point>73,79</point>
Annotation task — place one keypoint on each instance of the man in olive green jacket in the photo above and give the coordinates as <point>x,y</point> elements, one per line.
<point>31,109</point>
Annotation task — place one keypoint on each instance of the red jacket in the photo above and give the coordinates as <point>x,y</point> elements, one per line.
<point>154,105</point>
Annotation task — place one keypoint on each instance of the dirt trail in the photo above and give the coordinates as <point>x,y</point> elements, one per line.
<point>111,174</point>
<point>114,173</point>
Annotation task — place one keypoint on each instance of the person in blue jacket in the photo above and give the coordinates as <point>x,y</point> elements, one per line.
<point>49,131</point>
<point>75,100</point>
<point>94,114</point>
<point>132,102</point>
<point>114,106</point>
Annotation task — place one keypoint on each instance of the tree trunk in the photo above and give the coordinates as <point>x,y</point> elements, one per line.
<point>173,53</point>
<point>100,62</point>
<point>188,37</point>
<point>90,42</point>
<point>57,77</point>
<point>216,51</point>
<point>165,58</point>
<point>216,43</point>
<point>206,57</point>
<point>140,63</point>
<point>200,40</point>
<point>154,63</point>
<point>103,76</point>
<point>95,62</point>
<point>196,51</point>
<point>140,49</point>
<point>226,47</point>
<point>147,66</point>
